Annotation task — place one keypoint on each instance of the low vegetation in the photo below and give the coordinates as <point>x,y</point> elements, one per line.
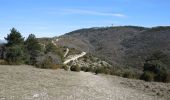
<point>75,68</point>
<point>155,69</point>
<point>29,51</point>
<point>65,67</point>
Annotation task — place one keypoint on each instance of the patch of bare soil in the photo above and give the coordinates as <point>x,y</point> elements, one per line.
<point>29,83</point>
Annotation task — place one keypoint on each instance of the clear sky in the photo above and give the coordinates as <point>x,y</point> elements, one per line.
<point>48,18</point>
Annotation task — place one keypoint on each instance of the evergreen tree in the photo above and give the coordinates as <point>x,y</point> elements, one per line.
<point>33,48</point>
<point>14,47</point>
<point>14,54</point>
<point>14,38</point>
<point>154,69</point>
<point>51,48</point>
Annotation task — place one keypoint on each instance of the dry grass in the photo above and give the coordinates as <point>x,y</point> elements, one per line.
<point>29,83</point>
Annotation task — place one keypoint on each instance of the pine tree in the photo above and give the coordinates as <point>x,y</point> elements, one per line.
<point>33,48</point>
<point>14,47</point>
<point>14,38</point>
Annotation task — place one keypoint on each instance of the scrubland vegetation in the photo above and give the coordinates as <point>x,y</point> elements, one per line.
<point>30,51</point>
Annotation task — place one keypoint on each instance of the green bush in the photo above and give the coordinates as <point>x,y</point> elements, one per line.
<point>167,78</point>
<point>116,72</point>
<point>65,67</point>
<point>3,62</point>
<point>75,68</point>
<point>85,69</point>
<point>91,69</point>
<point>46,64</point>
<point>148,76</point>
<point>14,54</point>
<point>157,68</point>
<point>129,74</point>
<point>54,49</point>
<point>103,70</point>
<point>162,76</point>
<point>88,69</point>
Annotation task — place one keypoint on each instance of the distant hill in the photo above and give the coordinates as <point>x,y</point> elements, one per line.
<point>124,46</point>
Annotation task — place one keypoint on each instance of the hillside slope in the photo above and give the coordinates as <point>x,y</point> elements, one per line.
<point>28,83</point>
<point>125,46</point>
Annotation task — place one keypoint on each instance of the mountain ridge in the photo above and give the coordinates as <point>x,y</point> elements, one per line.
<point>125,46</point>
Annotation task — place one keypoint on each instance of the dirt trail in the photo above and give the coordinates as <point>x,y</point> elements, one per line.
<point>66,53</point>
<point>75,57</point>
<point>53,42</point>
<point>28,83</point>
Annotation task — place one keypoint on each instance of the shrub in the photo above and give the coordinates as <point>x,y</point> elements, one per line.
<point>85,69</point>
<point>75,68</point>
<point>129,74</point>
<point>14,54</point>
<point>88,69</point>
<point>161,76</point>
<point>56,66</point>
<point>148,76</point>
<point>3,62</point>
<point>50,47</point>
<point>46,64</point>
<point>54,49</point>
<point>157,68</point>
<point>65,67</point>
<point>116,72</point>
<point>103,70</point>
<point>167,78</point>
<point>91,69</point>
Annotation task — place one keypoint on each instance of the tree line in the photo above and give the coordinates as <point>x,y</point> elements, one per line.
<point>19,50</point>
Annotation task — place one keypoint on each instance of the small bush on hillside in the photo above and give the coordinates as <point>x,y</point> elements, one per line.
<point>56,66</point>
<point>91,69</point>
<point>85,69</point>
<point>54,49</point>
<point>65,67</point>
<point>75,68</point>
<point>50,47</point>
<point>103,70</point>
<point>46,64</point>
<point>14,55</point>
<point>88,69</point>
<point>156,64</point>
<point>148,76</point>
<point>3,62</point>
<point>156,70</point>
<point>167,78</point>
<point>129,74</point>
<point>116,72</point>
<point>161,76</point>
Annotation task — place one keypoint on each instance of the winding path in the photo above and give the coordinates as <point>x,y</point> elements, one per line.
<point>74,58</point>
<point>67,51</point>
<point>53,42</point>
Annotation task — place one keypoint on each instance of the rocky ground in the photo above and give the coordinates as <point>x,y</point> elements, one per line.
<point>28,83</point>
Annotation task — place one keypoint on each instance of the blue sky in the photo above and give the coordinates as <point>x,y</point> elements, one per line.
<point>48,18</point>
